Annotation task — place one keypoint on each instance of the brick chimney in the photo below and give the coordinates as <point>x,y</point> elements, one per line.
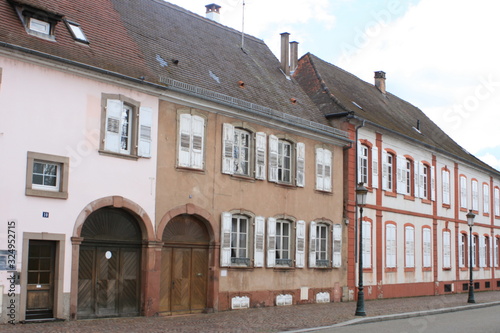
<point>380,81</point>
<point>213,12</point>
<point>285,53</point>
<point>294,56</point>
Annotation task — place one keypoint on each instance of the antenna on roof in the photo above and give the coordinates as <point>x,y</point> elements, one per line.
<point>243,26</point>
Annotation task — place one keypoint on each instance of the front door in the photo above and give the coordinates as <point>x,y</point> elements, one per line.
<point>40,288</point>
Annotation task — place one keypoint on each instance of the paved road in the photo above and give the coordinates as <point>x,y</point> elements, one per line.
<point>481,320</point>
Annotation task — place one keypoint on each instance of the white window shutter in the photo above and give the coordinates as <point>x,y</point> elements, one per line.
<point>301,157</point>
<point>227,148</point>
<point>461,245</point>
<point>319,168</point>
<point>427,247</point>
<point>446,250</point>
<point>145,127</point>
<point>446,187</point>
<point>112,141</point>
<point>416,179</point>
<point>198,127</point>
<point>385,172</point>
<point>410,246</point>
<point>359,151</point>
<point>463,192</point>
<point>367,244</point>
<point>225,240</point>
<point>184,145</point>
<point>258,258</point>
<point>401,174</point>
<point>475,196</point>
<point>312,244</point>
<point>300,235</point>
<point>273,158</point>
<point>421,192</point>
<point>327,168</point>
<point>486,198</point>
<point>271,242</point>
<point>433,183</point>
<point>375,167</point>
<point>260,155</point>
<point>482,251</point>
<point>337,245</point>
<point>497,201</point>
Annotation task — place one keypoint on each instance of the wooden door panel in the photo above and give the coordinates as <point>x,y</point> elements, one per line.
<point>166,279</point>
<point>86,282</point>
<point>40,286</point>
<point>199,279</point>
<point>129,278</point>
<point>107,282</point>
<point>181,267</point>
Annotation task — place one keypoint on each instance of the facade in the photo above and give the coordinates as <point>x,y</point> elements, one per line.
<point>156,166</point>
<point>421,186</point>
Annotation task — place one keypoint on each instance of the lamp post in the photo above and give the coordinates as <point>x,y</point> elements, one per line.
<point>470,221</point>
<point>361,192</point>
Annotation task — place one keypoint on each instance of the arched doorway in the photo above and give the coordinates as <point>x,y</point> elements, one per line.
<point>109,265</point>
<point>184,266</point>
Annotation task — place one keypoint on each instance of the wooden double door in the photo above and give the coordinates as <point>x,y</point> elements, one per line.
<point>184,266</point>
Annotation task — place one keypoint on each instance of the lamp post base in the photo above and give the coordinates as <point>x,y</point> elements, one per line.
<point>360,305</point>
<point>471,295</point>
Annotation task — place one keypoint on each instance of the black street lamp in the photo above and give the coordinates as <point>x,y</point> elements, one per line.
<point>470,221</point>
<point>361,192</point>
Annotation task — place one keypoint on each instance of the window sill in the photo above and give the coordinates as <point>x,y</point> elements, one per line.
<point>240,268</point>
<point>486,214</point>
<point>426,201</point>
<point>390,194</point>
<point>463,209</point>
<point>391,269</point>
<point>323,192</point>
<point>446,268</point>
<point>286,185</point>
<point>409,269</point>
<point>243,178</point>
<point>113,154</point>
<point>46,194</point>
<point>322,268</point>
<point>283,268</point>
<point>186,169</point>
<point>368,270</point>
<point>463,269</point>
<point>409,197</point>
<point>446,206</point>
<point>426,269</point>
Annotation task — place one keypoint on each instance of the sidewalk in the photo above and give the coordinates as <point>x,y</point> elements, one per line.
<point>270,319</point>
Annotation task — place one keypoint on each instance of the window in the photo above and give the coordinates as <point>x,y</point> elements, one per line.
<point>323,169</point>
<point>446,249</point>
<point>484,251</point>
<point>404,175</point>
<point>462,250</point>
<point>125,127</point>
<point>237,151</point>
<point>318,246</point>
<point>191,141</point>
<point>475,195</point>
<point>367,244</point>
<point>497,201</point>
<point>281,161</point>
<point>409,247</point>
<point>446,187</point>
<point>238,247</point>
<point>390,246</point>
<point>475,252</point>
<point>282,242</point>
<point>426,181</point>
<point>427,247</point>
<point>39,26</point>
<point>388,171</point>
<point>486,198</point>
<point>408,172</point>
<point>496,254</point>
<point>47,175</point>
<point>39,23</point>
<point>463,192</point>
<point>76,31</point>
<point>363,164</point>
<point>337,245</point>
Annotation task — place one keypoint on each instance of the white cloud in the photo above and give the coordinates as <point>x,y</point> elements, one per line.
<point>491,160</point>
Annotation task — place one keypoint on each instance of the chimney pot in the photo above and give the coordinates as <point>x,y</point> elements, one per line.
<point>380,81</point>
<point>213,12</point>
<point>285,53</point>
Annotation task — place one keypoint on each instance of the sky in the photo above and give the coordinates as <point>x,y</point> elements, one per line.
<point>443,56</point>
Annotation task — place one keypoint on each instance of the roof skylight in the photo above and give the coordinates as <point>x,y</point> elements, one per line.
<point>76,32</point>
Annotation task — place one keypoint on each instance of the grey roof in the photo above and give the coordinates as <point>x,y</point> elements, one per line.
<point>334,91</point>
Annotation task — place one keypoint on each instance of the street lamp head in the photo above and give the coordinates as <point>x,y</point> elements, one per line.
<point>470,218</point>
<point>361,192</point>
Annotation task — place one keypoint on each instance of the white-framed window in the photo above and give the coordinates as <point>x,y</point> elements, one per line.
<point>319,245</point>
<point>388,171</point>
<point>237,151</point>
<point>126,127</point>
<point>497,201</point>
<point>462,249</point>
<point>363,164</point>
<point>47,175</point>
<point>408,176</point>
<point>475,195</point>
<point>486,198</point>
<point>446,249</point>
<point>390,246</point>
<point>242,239</point>
<point>76,31</point>
<point>323,169</point>
<point>367,244</point>
<point>286,161</point>
<point>496,254</point>
<point>483,251</point>
<point>446,186</point>
<point>475,252</point>
<point>191,141</point>
<point>40,26</point>
<point>409,247</point>
<point>285,242</point>
<point>463,192</point>
<point>427,247</point>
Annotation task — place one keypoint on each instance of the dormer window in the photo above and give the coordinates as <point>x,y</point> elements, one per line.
<point>38,22</point>
<point>39,26</point>
<point>76,32</point>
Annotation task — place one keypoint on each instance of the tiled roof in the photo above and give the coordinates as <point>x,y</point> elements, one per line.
<point>153,39</point>
<point>334,91</point>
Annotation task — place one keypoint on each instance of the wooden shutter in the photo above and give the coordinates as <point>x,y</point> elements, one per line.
<point>497,201</point>
<point>198,128</point>
<point>375,167</point>
<point>432,170</point>
<point>112,140</point>
<point>475,195</point>
<point>337,245</point>
<point>184,145</point>
<point>360,161</point>
<point>271,242</point>
<point>327,169</point>
<point>227,148</point>
<point>446,187</point>
<point>390,241</point>
<point>273,158</point>
<point>312,244</point>
<point>145,127</point>
<point>446,250</point>
<point>482,251</point>
<point>416,179</point>
<point>401,174</point>
<point>367,244</point>
<point>463,192</point>
<point>225,239</point>
<point>259,242</point>
<point>301,157</point>
<point>260,155</point>
<point>486,198</point>
<point>421,192</point>
<point>300,245</point>
<point>319,169</point>
<point>385,172</point>
<point>427,247</point>
<point>410,247</point>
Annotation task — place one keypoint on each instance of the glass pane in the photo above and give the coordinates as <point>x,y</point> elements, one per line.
<point>32,278</point>
<point>50,169</point>
<point>285,243</point>
<point>50,181</point>
<point>286,229</point>
<point>243,240</point>
<point>45,264</point>
<point>44,278</point>
<point>242,253</point>
<point>37,168</point>
<point>33,264</point>
<point>37,179</point>
<point>234,225</point>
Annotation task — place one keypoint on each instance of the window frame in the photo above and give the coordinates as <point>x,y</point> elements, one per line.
<point>463,250</point>
<point>280,249</point>
<point>231,145</point>
<point>445,187</point>
<point>323,169</point>
<point>410,176</point>
<point>475,195</point>
<point>61,192</point>
<point>486,199</point>
<point>277,166</point>
<point>193,154</point>
<point>463,193</point>
<point>496,198</point>
<point>367,244</point>
<point>76,32</point>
